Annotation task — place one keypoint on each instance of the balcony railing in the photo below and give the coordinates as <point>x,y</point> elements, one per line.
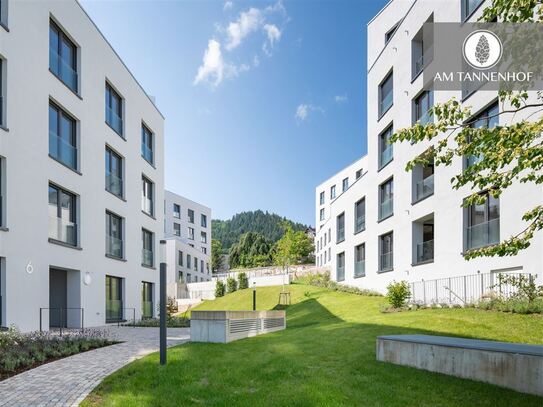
<point>147,257</point>
<point>425,251</point>
<point>147,153</point>
<point>386,155</point>
<point>386,102</point>
<point>385,261</point>
<point>386,208</point>
<point>360,268</point>
<point>62,230</point>
<point>114,184</point>
<point>114,246</point>
<point>483,234</point>
<point>147,309</point>
<point>426,118</point>
<point>340,274</point>
<point>63,70</point>
<point>340,234</point>
<point>360,224</point>
<point>146,205</point>
<point>62,151</point>
<point>114,310</point>
<point>422,61</point>
<point>114,120</point>
<point>424,188</point>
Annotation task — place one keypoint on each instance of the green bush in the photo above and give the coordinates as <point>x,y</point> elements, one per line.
<point>398,293</point>
<point>231,284</point>
<point>243,281</point>
<point>172,322</point>
<point>323,280</point>
<point>514,305</point>
<point>219,289</point>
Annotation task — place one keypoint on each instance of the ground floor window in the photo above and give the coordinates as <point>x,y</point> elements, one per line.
<point>146,299</point>
<point>114,299</point>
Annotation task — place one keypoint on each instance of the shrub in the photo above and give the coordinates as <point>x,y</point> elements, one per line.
<point>171,308</point>
<point>398,293</point>
<point>219,289</point>
<point>173,322</point>
<point>231,284</point>
<point>243,281</point>
<point>323,280</point>
<point>526,289</point>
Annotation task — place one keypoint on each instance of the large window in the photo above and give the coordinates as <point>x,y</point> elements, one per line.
<point>62,137</point>
<point>190,214</point>
<point>176,211</point>
<point>386,94</point>
<point>147,196</point>
<point>114,110</point>
<point>360,260</point>
<point>62,216</point>
<point>321,214</point>
<point>177,229</point>
<point>340,267</point>
<point>190,233</point>
<point>62,57</point>
<point>360,215</point>
<point>146,300</point>
<point>147,144</point>
<point>147,257</point>
<point>203,237</point>
<point>421,106</point>
<point>2,95</point>
<point>483,224</point>
<point>386,252</point>
<point>114,235</point>
<point>321,198</point>
<point>345,185</point>
<point>423,181</point>
<point>114,299</point>
<point>203,220</point>
<point>385,147</point>
<point>386,199</point>
<point>340,228</point>
<point>487,118</point>
<point>114,173</point>
<point>332,192</point>
<point>180,258</point>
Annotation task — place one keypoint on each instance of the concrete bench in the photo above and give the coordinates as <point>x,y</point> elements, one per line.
<point>512,365</point>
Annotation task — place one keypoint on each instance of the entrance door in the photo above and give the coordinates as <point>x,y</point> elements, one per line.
<point>58,298</point>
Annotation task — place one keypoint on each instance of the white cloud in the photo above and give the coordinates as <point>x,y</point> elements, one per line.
<point>227,5</point>
<point>247,22</point>
<point>274,34</point>
<point>212,68</point>
<point>341,99</point>
<point>303,110</point>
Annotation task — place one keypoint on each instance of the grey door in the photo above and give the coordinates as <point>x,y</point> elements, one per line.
<point>57,297</point>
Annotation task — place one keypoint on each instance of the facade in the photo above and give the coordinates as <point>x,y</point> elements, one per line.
<point>377,222</point>
<point>187,228</point>
<point>81,174</point>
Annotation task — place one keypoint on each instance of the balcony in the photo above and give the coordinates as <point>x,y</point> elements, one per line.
<point>63,231</point>
<point>425,251</point>
<point>114,184</point>
<point>386,156</point>
<point>147,153</point>
<point>360,224</point>
<point>147,257</point>
<point>114,310</point>
<point>385,261</point>
<point>483,234</point>
<point>62,151</point>
<point>386,208</point>
<point>62,70</point>
<point>424,188</point>
<point>114,120</point>
<point>360,268</point>
<point>114,247</point>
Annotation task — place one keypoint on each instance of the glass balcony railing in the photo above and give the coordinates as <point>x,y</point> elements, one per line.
<point>114,120</point>
<point>386,208</point>
<point>385,261</point>
<point>114,184</point>
<point>425,251</point>
<point>360,268</point>
<point>147,153</point>
<point>386,102</point>
<point>426,118</point>
<point>62,230</point>
<point>114,246</point>
<point>424,188</point>
<point>340,235</point>
<point>147,309</point>
<point>147,257</point>
<point>63,70</point>
<point>340,274</point>
<point>483,234</point>
<point>114,310</point>
<point>62,151</point>
<point>422,61</point>
<point>360,224</point>
<point>147,205</point>
<point>386,155</point>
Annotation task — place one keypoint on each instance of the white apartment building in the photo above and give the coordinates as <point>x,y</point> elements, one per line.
<point>81,174</point>
<point>377,222</point>
<point>187,228</point>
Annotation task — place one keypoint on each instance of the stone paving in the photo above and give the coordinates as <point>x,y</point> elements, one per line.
<point>66,382</point>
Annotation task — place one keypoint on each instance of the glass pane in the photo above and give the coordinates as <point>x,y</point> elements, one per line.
<point>53,50</point>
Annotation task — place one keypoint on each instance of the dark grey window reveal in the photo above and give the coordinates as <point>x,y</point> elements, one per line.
<point>340,228</point>
<point>360,260</point>
<point>114,110</point>
<point>386,199</point>
<point>114,172</point>
<point>340,267</point>
<point>62,56</point>
<point>114,299</point>
<point>147,144</point>
<point>483,224</point>
<point>147,248</point>
<point>386,97</point>
<point>386,152</point>
<point>114,235</point>
<point>386,252</point>
<point>360,215</point>
<point>62,216</point>
<point>62,137</point>
<point>147,199</point>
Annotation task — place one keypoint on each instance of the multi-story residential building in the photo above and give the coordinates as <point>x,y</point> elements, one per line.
<point>377,222</point>
<point>81,174</point>
<point>187,228</point>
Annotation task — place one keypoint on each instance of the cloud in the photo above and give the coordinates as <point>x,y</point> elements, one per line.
<point>274,34</point>
<point>212,68</point>
<point>247,22</point>
<point>341,99</point>
<point>227,5</point>
<point>303,110</point>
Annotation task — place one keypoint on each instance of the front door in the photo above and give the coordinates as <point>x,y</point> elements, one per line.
<point>57,297</point>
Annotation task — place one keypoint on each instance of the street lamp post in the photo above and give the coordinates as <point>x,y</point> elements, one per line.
<point>162,302</point>
<point>254,295</point>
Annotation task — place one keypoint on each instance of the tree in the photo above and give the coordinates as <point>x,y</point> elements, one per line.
<point>512,152</point>
<point>216,255</point>
<point>292,248</point>
<point>252,250</point>
<point>219,289</point>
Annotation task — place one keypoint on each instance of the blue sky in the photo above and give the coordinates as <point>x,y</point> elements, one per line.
<point>263,100</point>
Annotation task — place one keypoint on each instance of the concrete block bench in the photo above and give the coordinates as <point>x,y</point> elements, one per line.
<point>512,365</point>
<point>228,326</point>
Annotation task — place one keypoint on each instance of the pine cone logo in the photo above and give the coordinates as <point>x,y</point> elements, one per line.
<point>482,50</point>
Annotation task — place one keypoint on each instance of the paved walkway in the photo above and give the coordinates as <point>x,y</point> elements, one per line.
<point>66,382</point>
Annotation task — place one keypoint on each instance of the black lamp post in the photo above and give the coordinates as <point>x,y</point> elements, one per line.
<point>163,302</point>
<point>254,295</point>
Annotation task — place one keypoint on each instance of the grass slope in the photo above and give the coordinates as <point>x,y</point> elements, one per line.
<point>326,357</point>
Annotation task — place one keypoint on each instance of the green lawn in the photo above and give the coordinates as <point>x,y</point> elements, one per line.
<point>326,357</point>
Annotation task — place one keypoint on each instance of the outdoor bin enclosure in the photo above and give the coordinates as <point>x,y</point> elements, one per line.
<point>228,326</point>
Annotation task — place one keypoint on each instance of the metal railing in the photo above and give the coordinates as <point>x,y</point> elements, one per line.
<point>483,234</point>
<point>461,290</point>
<point>146,152</point>
<point>114,120</point>
<point>62,230</point>
<point>62,151</point>
<point>360,268</point>
<point>63,70</point>
<point>424,188</point>
<point>360,224</point>
<point>63,318</point>
<point>385,261</point>
<point>114,246</point>
<point>114,310</point>
<point>147,257</point>
<point>114,184</point>
<point>425,251</point>
<point>386,208</point>
<point>386,155</point>
<point>423,60</point>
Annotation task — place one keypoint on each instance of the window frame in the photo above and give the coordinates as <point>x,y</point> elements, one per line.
<point>147,134</point>
<point>382,111</point>
<point>64,39</point>
<point>61,114</point>
<point>110,94</point>
<point>338,217</point>
<point>111,154</point>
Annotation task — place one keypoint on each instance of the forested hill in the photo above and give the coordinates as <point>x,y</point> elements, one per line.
<point>265,223</point>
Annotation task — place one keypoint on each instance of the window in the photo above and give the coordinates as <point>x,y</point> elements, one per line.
<point>385,94</point>
<point>114,299</point>
<point>147,248</point>
<point>423,238</point>
<point>62,216</point>
<point>204,250</point>
<point>422,48</point>
<point>180,258</point>
<point>421,106</point>
<point>487,118</point>
<point>189,279</point>
<point>196,264</point>
<point>114,172</point>
<point>3,178</point>
<point>332,192</point>
<point>203,237</point>
<point>147,199</point>
<point>191,233</point>
<point>360,216</point>
<point>385,147</point>
<point>483,223</point>
<point>114,110</point>
<point>147,144</point>
<point>321,214</point>
<point>189,262</point>
<point>385,252</point>
<point>203,220</point>
<point>114,235</point>
<point>180,276</point>
<point>3,22</point>
<point>190,214</point>
<point>340,225</point>
<point>2,95</point>
<point>358,173</point>
<point>423,179</point>
<point>324,239</point>
<point>469,6</point>
<point>329,235</point>
<point>386,201</point>
<point>345,185</point>
<point>62,137</point>
<point>321,198</point>
<point>390,33</point>
<point>202,266</point>
<point>340,267</point>
<point>62,57</point>
<point>176,211</point>
<point>146,300</point>
<point>177,229</point>
<point>360,260</point>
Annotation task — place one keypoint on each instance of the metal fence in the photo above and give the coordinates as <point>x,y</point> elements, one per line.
<point>462,290</point>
